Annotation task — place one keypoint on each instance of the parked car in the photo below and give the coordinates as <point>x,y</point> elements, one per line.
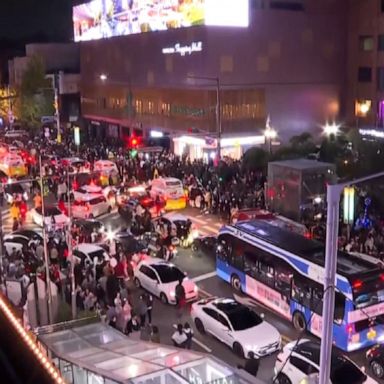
<point>54,218</point>
<point>236,325</point>
<point>301,360</point>
<point>160,278</point>
<point>26,234</point>
<point>375,359</point>
<point>91,206</point>
<point>87,254</point>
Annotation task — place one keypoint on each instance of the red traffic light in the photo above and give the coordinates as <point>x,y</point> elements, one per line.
<point>134,142</point>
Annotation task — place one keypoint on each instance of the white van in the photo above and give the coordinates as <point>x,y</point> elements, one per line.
<point>171,191</point>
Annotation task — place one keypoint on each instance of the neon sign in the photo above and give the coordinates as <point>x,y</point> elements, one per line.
<point>184,50</point>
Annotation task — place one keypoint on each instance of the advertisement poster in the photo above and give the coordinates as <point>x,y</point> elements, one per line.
<point>99,19</point>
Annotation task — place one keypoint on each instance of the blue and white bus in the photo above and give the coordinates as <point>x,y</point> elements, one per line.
<point>285,272</point>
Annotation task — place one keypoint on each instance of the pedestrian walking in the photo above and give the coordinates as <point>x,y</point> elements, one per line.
<point>252,364</point>
<point>155,335</point>
<point>180,297</point>
<point>189,333</point>
<point>149,302</point>
<point>179,338</point>
<point>142,310</point>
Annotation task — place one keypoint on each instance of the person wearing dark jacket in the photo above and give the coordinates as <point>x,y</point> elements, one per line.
<point>252,364</point>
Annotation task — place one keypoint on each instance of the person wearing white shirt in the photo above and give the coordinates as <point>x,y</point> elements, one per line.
<point>179,338</point>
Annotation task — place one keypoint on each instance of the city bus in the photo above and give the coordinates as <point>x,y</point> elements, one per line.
<point>285,272</point>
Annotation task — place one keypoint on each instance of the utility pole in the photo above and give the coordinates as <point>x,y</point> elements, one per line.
<point>47,275</point>
<point>333,204</point>
<point>70,252</point>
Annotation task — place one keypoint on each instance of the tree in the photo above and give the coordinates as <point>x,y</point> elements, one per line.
<point>256,159</point>
<point>35,94</point>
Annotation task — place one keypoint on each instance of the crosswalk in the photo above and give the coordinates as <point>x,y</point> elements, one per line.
<point>8,222</point>
<point>206,226</point>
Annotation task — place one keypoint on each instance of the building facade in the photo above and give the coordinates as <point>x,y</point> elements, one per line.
<point>365,69</point>
<point>289,64</point>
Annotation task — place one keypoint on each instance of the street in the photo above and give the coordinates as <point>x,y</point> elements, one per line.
<point>201,269</point>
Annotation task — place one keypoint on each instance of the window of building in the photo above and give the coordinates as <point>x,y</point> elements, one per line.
<point>380,79</point>
<point>287,5</point>
<point>366,43</point>
<point>364,74</point>
<point>382,6</point>
<point>380,42</point>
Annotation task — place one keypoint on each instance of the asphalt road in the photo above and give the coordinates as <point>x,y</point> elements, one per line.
<point>202,270</point>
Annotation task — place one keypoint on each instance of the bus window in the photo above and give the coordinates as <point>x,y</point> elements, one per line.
<point>266,273</point>
<point>339,307</point>
<point>301,291</point>
<point>317,299</point>
<point>250,264</point>
<point>283,278</point>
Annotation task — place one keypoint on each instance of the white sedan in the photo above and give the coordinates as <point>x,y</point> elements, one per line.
<point>92,189</point>
<point>54,218</point>
<point>161,278</point>
<point>90,254</point>
<point>91,206</point>
<point>299,362</point>
<point>237,326</point>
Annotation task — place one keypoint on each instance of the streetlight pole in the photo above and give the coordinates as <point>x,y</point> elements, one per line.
<point>70,253</point>
<point>333,203</point>
<point>47,276</point>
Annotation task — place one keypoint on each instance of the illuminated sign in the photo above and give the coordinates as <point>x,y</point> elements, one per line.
<point>182,50</point>
<point>99,19</point>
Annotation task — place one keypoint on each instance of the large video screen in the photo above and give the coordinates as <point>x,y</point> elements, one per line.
<point>101,19</point>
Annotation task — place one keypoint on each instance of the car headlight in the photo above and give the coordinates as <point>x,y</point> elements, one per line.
<point>25,196</point>
<point>172,294</point>
<point>196,289</point>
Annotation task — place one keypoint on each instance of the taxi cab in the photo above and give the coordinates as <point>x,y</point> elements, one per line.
<point>171,191</point>
<point>13,166</point>
<point>76,165</point>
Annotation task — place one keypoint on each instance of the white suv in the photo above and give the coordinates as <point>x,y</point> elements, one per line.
<point>301,363</point>
<point>91,206</point>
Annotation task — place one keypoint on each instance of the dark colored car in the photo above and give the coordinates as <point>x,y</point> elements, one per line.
<point>88,225</point>
<point>375,358</point>
<point>128,243</point>
<point>206,245</point>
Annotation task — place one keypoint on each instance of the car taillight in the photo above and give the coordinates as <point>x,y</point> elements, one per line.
<point>349,328</point>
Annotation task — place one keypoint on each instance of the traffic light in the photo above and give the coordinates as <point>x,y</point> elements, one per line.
<point>134,142</point>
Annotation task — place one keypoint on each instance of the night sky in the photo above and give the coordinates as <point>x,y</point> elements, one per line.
<point>36,20</point>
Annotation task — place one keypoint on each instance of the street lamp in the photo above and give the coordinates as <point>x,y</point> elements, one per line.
<point>103,77</point>
<point>333,207</point>
<point>269,134</point>
<point>331,129</point>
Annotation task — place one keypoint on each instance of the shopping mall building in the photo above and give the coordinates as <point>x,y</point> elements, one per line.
<point>288,64</point>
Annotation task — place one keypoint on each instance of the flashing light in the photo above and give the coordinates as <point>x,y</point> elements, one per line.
<point>357,284</point>
<point>349,328</point>
<point>382,277</point>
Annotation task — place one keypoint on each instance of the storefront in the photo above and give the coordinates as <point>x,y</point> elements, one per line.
<point>99,354</point>
<point>205,148</point>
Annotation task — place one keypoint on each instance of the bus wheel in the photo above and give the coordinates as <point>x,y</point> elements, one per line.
<point>236,283</point>
<point>298,321</point>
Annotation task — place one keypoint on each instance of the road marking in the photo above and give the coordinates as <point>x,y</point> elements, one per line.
<point>198,342</point>
<point>202,222</point>
<point>204,277</point>
<point>209,228</point>
<point>204,294</point>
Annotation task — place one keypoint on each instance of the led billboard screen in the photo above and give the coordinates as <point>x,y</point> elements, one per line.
<point>100,19</point>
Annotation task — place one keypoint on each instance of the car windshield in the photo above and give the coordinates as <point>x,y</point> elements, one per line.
<point>168,273</point>
<point>243,318</point>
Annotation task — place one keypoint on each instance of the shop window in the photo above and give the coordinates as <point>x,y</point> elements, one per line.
<point>380,79</point>
<point>287,5</point>
<point>380,43</point>
<point>364,74</point>
<point>366,43</point>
